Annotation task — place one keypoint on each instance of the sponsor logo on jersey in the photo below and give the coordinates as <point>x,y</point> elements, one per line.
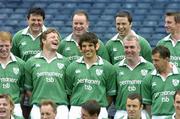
<point>16,70</point>
<point>154,84</point>
<point>144,72</point>
<point>114,49</point>
<point>60,65</point>
<point>121,73</point>
<point>175,82</point>
<point>99,72</point>
<point>23,43</point>
<point>78,71</point>
<point>37,65</point>
<point>68,48</point>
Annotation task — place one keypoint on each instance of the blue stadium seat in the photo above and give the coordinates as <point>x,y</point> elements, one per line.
<point>99,5</point>
<point>54,5</point>
<point>57,23</point>
<point>150,23</point>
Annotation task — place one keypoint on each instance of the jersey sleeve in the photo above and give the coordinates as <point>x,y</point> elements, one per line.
<point>28,84</point>
<point>146,90</point>
<point>111,81</point>
<point>69,79</point>
<point>145,49</point>
<point>102,51</point>
<point>15,45</point>
<point>22,76</point>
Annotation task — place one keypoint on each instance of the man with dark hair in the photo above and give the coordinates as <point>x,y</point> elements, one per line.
<point>69,46</point>
<point>131,72</point>
<point>7,107</point>
<point>45,75</point>
<point>123,21</point>
<point>90,77</point>
<point>11,72</point>
<point>90,110</point>
<point>172,41</point>
<point>176,115</point>
<point>134,107</point>
<point>48,109</point>
<point>160,85</point>
<point>25,43</point>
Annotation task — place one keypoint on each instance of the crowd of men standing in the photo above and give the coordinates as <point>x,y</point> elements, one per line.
<point>42,72</point>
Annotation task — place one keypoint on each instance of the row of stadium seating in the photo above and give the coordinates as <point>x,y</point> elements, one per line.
<point>148,19</point>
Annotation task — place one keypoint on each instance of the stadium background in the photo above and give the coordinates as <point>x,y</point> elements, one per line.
<point>148,15</point>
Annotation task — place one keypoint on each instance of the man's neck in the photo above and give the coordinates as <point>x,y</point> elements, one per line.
<point>167,70</point>
<point>34,34</point>
<point>49,54</point>
<point>5,60</point>
<point>76,38</point>
<point>90,61</point>
<point>133,63</point>
<point>177,116</point>
<point>175,36</point>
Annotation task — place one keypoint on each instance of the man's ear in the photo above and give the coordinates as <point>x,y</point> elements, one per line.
<point>97,46</point>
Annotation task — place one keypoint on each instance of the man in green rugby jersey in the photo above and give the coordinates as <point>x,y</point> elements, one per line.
<point>123,20</point>
<point>160,85</point>
<point>7,108</point>
<point>45,76</point>
<point>172,41</point>
<point>90,77</point>
<point>12,72</point>
<point>69,46</point>
<point>130,73</point>
<point>26,43</point>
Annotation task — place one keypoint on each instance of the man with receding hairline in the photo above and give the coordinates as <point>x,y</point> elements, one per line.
<point>12,72</point>
<point>48,109</point>
<point>131,72</point>
<point>69,46</point>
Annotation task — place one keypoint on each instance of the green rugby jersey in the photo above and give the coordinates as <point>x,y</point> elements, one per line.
<point>158,92</point>
<point>97,82</point>
<point>116,50</point>
<point>24,45</point>
<point>129,80</point>
<point>46,79</point>
<point>70,48</point>
<point>12,78</point>
<point>173,48</point>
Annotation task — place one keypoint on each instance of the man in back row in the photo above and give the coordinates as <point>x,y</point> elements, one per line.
<point>114,46</point>
<point>172,41</point>
<point>69,46</point>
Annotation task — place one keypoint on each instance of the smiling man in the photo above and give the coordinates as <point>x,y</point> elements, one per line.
<point>69,46</point>
<point>123,21</point>
<point>45,75</point>
<point>26,43</point>
<point>7,107</point>
<point>12,72</point>
<point>131,72</point>
<point>172,41</point>
<point>90,77</point>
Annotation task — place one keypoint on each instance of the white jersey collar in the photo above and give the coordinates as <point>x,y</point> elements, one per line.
<point>115,38</point>
<point>40,55</point>
<point>174,70</point>
<point>99,62</point>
